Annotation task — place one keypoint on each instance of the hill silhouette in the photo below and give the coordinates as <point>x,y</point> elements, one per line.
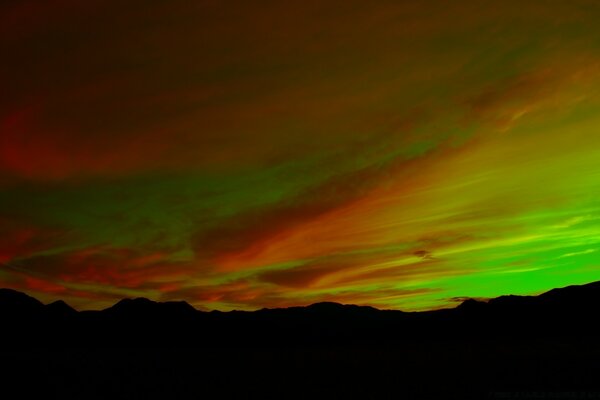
<point>134,322</point>
<point>544,346</point>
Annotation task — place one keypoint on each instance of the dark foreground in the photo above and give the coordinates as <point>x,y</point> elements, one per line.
<point>544,347</point>
<point>548,369</point>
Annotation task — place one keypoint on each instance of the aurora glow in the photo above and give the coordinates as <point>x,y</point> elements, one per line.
<point>265,154</point>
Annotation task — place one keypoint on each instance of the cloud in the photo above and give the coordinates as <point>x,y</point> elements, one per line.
<point>244,295</point>
<point>244,155</point>
<point>460,299</point>
<point>94,273</point>
<point>151,94</point>
<point>304,276</point>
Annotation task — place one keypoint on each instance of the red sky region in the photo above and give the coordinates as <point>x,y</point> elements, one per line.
<point>243,155</point>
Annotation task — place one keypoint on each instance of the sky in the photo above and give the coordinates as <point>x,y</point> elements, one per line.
<point>240,155</point>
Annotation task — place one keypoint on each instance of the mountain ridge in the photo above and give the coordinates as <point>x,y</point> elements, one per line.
<point>8,295</point>
<point>560,312</point>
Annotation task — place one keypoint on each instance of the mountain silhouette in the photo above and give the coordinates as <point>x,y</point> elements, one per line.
<point>143,308</point>
<point>59,308</point>
<point>508,347</point>
<point>17,304</point>
<point>140,321</point>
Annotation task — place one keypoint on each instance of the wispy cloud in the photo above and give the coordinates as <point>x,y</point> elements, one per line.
<point>242,155</point>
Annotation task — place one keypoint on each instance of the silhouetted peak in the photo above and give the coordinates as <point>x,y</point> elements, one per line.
<point>60,307</point>
<point>471,305</point>
<point>139,303</point>
<point>572,298</point>
<point>325,306</point>
<point>15,301</point>
<point>573,290</point>
<point>143,306</point>
<point>328,304</point>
